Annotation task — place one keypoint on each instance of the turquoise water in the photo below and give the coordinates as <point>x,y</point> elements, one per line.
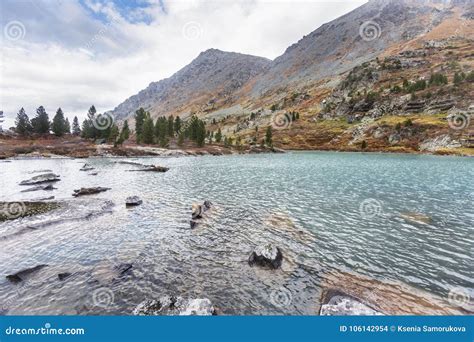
<point>327,211</point>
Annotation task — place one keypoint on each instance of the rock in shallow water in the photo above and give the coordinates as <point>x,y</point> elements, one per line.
<point>346,306</point>
<point>24,274</point>
<point>175,306</point>
<point>197,212</point>
<point>40,187</point>
<point>86,167</point>
<point>45,178</point>
<point>133,201</point>
<point>268,256</point>
<point>89,191</point>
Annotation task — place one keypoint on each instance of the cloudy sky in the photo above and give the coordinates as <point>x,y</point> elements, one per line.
<point>75,53</point>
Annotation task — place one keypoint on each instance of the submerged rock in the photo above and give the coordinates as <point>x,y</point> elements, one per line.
<point>44,178</point>
<point>342,305</point>
<point>416,218</point>
<point>123,268</point>
<point>86,167</point>
<point>24,274</point>
<point>133,201</point>
<point>40,187</point>
<point>153,168</point>
<point>268,256</point>
<point>63,276</point>
<point>197,212</point>
<point>89,191</point>
<point>174,306</point>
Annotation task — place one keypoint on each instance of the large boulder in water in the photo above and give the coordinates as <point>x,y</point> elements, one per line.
<point>268,256</point>
<point>175,306</point>
<point>44,178</point>
<point>133,201</point>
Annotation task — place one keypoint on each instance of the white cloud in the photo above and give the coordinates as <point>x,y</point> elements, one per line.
<point>69,58</point>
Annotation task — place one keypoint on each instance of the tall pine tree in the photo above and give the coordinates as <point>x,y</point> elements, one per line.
<point>41,122</point>
<point>76,129</point>
<point>140,116</point>
<point>59,123</point>
<point>22,122</point>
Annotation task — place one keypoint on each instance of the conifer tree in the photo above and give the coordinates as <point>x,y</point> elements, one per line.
<point>41,122</point>
<point>171,126</point>
<point>125,134</point>
<point>76,129</point>
<point>177,125</point>
<point>268,136</point>
<point>140,116</point>
<point>147,130</point>
<point>22,122</point>
<point>59,123</point>
<point>218,136</point>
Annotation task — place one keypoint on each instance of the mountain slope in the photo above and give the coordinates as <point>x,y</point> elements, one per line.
<point>209,80</point>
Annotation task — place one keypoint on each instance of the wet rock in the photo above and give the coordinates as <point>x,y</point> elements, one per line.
<point>123,268</point>
<point>63,276</point>
<point>41,171</point>
<point>44,198</point>
<point>40,187</point>
<point>133,201</point>
<point>267,256</point>
<point>89,191</point>
<point>197,212</point>
<point>342,305</point>
<point>174,306</point>
<point>153,168</point>
<point>416,218</point>
<point>24,274</point>
<point>86,167</point>
<point>44,178</point>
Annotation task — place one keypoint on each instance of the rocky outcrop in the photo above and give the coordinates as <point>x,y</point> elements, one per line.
<point>44,178</point>
<point>439,142</point>
<point>89,191</point>
<point>198,211</point>
<point>133,201</point>
<point>24,274</point>
<point>175,306</point>
<point>267,256</point>
<point>343,305</point>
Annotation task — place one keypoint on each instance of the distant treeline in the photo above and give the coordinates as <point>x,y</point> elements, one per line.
<point>163,129</point>
<point>93,127</point>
